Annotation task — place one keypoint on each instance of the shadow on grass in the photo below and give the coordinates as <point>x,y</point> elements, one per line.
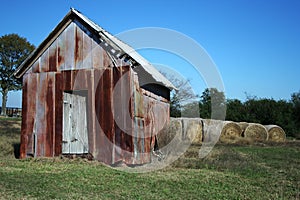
<point>16,150</point>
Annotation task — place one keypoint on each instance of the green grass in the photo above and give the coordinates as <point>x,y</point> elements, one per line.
<point>269,171</point>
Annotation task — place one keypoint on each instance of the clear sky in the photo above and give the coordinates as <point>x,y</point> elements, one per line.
<point>255,44</point>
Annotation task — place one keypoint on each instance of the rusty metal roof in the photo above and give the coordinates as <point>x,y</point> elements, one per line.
<point>146,71</point>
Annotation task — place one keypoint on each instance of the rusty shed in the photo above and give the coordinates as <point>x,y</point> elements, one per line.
<point>87,92</point>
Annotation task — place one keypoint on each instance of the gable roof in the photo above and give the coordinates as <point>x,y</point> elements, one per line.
<point>145,70</point>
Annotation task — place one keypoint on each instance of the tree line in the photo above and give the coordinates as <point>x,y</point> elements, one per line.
<point>285,113</point>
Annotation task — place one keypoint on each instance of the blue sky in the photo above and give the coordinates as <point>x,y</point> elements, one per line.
<point>254,44</point>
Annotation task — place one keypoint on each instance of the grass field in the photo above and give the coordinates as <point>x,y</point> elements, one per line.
<point>257,171</point>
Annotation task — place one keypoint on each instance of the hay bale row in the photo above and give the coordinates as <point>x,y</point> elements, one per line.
<point>196,130</point>
<point>183,129</point>
<point>259,132</point>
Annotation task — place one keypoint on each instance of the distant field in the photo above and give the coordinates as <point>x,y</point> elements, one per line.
<point>257,171</point>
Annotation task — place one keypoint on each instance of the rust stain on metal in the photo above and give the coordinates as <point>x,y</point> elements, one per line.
<point>58,101</point>
<point>53,57</point>
<point>50,114</point>
<point>61,51</point>
<point>78,47</point>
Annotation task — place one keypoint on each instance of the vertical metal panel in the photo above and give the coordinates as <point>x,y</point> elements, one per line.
<point>106,60</point>
<point>36,66</point>
<point>87,52</point>
<point>28,117</point>
<point>141,155</point>
<point>31,106</point>
<point>123,120</point>
<point>24,136</point>
<point>91,111</point>
<point>29,71</point>
<point>53,51</point>
<point>138,98</point>
<point>58,113</point>
<point>41,125</point>
<point>69,47</point>
<point>44,62</point>
<point>127,114</point>
<point>104,125</point>
<point>50,114</point>
<point>106,120</point>
<point>148,122</point>
<point>80,79</point>
<point>67,80</point>
<point>97,55</point>
<point>78,48</point>
<point>119,134</point>
<point>61,51</point>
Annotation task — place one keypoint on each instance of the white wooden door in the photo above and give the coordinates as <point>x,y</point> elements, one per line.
<point>75,134</point>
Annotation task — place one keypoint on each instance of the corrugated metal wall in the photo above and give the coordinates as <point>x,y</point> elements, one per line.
<point>122,118</point>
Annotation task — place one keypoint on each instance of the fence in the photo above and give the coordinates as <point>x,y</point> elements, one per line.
<point>12,111</point>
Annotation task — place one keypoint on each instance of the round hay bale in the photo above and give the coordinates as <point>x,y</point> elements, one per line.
<point>172,130</point>
<point>276,133</point>
<point>192,130</point>
<point>256,131</point>
<point>212,129</point>
<point>231,130</point>
<point>243,126</point>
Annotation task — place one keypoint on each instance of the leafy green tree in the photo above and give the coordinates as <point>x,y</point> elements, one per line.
<point>295,100</point>
<point>261,110</point>
<point>284,117</point>
<point>13,51</point>
<point>269,111</point>
<point>212,104</point>
<point>235,110</point>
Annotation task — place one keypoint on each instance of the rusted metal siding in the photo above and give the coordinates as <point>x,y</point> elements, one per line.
<point>122,119</point>
<point>72,50</point>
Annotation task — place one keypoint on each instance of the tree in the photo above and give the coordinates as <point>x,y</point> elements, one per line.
<point>213,104</point>
<point>295,99</point>
<point>182,98</point>
<point>13,51</point>
<point>235,110</point>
